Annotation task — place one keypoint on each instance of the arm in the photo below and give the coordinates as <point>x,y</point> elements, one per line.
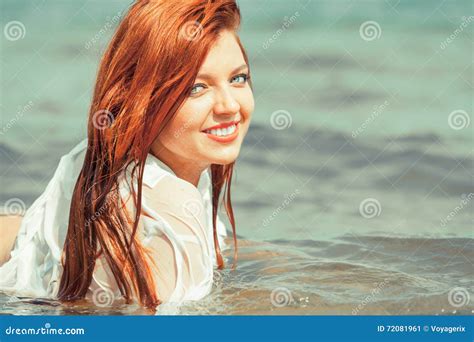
<point>9,226</point>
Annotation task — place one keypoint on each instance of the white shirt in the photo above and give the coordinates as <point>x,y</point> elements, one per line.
<point>34,269</point>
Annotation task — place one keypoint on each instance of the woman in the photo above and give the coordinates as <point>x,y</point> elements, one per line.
<point>171,106</point>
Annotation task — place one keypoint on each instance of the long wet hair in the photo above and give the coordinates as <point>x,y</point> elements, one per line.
<point>144,77</point>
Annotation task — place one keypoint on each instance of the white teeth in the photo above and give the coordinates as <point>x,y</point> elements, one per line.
<point>221,132</point>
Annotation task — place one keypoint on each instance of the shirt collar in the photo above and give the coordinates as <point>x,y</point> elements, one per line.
<point>155,169</point>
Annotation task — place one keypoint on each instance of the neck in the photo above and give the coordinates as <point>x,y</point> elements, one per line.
<point>186,169</point>
<point>188,173</point>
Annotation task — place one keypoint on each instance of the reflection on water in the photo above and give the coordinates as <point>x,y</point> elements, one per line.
<point>361,275</point>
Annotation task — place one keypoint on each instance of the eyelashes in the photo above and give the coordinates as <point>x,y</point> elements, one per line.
<point>244,76</point>
<point>199,87</point>
<point>194,90</point>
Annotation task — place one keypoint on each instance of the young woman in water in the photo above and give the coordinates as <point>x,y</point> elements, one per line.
<point>171,106</point>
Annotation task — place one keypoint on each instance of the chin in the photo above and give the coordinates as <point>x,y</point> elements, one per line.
<point>225,159</point>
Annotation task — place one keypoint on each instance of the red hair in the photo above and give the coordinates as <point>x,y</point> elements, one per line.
<point>144,77</point>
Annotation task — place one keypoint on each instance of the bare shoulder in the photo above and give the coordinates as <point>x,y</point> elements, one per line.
<point>9,226</point>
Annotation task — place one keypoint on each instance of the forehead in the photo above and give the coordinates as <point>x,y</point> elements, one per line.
<point>224,55</point>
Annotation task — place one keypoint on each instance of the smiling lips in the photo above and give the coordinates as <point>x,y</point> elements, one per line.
<point>224,133</point>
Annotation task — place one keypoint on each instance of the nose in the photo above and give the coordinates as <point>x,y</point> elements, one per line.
<point>226,103</point>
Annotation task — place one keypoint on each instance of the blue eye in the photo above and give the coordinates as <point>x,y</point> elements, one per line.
<point>197,88</point>
<point>242,78</point>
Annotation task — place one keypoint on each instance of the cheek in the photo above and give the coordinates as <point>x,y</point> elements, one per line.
<point>186,124</point>
<point>174,131</point>
<point>247,104</point>
<point>193,115</point>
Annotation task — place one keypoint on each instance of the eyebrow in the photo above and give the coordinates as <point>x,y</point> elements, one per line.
<point>236,70</point>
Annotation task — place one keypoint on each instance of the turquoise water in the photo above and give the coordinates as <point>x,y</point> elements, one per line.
<point>370,130</point>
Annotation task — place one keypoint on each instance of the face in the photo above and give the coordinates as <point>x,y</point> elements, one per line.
<point>211,124</point>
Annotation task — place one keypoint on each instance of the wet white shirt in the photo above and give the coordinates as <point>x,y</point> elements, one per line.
<point>34,269</point>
